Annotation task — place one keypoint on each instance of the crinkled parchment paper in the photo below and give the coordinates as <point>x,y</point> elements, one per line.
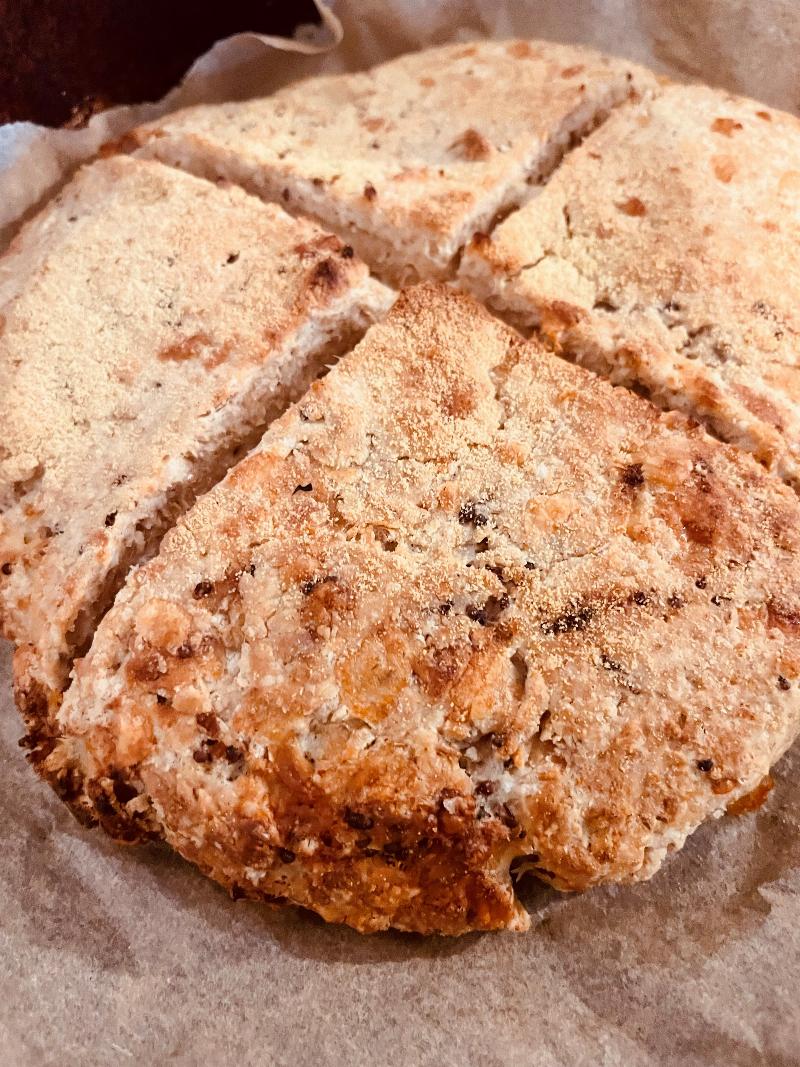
<point>116,956</point>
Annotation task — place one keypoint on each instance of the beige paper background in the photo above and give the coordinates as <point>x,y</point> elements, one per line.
<point>129,956</point>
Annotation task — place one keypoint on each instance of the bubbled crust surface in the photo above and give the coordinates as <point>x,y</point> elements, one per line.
<point>665,253</point>
<point>415,153</point>
<point>135,312</point>
<point>466,602</point>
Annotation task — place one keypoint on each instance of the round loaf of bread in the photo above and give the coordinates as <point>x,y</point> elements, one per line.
<point>467,609</point>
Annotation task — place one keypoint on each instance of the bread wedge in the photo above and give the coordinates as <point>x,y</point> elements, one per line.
<point>151,325</point>
<point>665,254</point>
<point>408,160</point>
<point>466,606</point>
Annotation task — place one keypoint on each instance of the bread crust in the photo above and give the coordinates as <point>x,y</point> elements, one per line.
<point>437,143</point>
<point>149,324</point>
<point>664,254</point>
<point>465,605</point>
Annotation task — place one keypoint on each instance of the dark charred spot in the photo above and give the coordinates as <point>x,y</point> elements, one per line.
<point>473,513</point>
<point>124,791</point>
<point>508,817</point>
<point>370,192</point>
<point>310,584</point>
<point>103,805</point>
<point>394,852</point>
<point>705,765</point>
<point>718,599</point>
<point>307,488</point>
<point>6,568</point>
<point>445,608</point>
<point>675,601</point>
<point>529,566</point>
<point>202,755</point>
<point>111,518</point>
<point>232,257</point>
<point>633,476</point>
<point>609,663</point>
<point>485,789</point>
<point>209,722</point>
<point>237,893</point>
<point>286,195</point>
<point>233,754</point>
<point>491,610</point>
<point>286,855</point>
<point>326,274</point>
<point>203,589</point>
<point>639,597</point>
<point>700,583</point>
<point>161,698</point>
<point>251,570</point>
<point>784,683</point>
<point>347,252</point>
<point>358,820</point>
<point>184,651</point>
<point>569,622</point>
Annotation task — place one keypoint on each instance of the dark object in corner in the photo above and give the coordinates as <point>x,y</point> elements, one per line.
<point>63,60</point>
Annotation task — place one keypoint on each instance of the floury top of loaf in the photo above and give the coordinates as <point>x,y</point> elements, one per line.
<point>408,160</point>
<point>150,326</point>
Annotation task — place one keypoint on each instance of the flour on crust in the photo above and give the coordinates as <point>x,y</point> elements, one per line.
<point>151,324</point>
<point>408,160</point>
<point>465,605</point>
<point>665,254</point>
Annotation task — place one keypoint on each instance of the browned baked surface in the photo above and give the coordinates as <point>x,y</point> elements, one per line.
<point>150,326</point>
<point>406,161</point>
<point>665,254</point>
<point>466,603</point>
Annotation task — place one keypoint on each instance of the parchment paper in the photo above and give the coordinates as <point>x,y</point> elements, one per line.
<point>129,956</point>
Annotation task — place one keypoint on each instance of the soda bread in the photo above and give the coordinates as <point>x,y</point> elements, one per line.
<point>465,604</point>
<point>665,254</point>
<point>408,160</point>
<point>152,325</point>
<point>466,609</point>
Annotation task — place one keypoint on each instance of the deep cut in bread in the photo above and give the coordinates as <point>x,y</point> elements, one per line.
<point>408,160</point>
<point>151,324</point>
<point>665,254</point>
<point>465,605</point>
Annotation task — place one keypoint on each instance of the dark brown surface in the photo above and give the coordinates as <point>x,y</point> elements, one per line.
<point>62,60</point>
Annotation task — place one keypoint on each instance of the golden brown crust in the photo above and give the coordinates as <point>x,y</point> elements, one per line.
<point>409,159</point>
<point>150,322</point>
<point>664,254</point>
<point>465,604</point>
